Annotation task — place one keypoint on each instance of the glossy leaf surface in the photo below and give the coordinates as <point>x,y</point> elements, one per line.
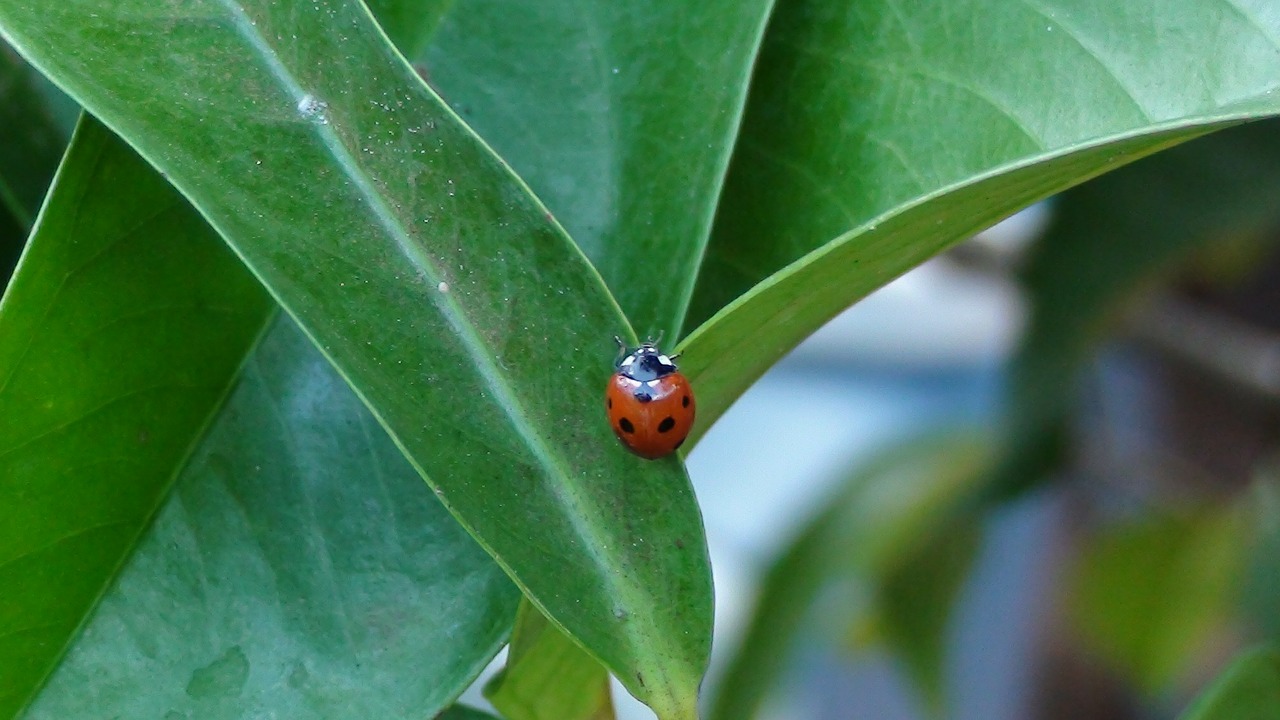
<point>300,568</point>
<point>122,330</point>
<point>879,134</point>
<point>466,320</point>
<point>621,118</point>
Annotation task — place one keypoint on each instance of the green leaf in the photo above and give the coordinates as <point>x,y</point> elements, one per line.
<point>409,23</point>
<point>547,677</point>
<point>915,599</point>
<point>33,143</point>
<point>466,320</point>
<point>875,138</point>
<point>872,532</point>
<point>1247,690</point>
<point>621,120</point>
<point>122,330</point>
<point>1190,566</point>
<point>300,568</point>
<point>462,712</point>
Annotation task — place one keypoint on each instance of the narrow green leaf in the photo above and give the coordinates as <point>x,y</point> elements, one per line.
<point>730,351</point>
<point>33,142</point>
<point>860,108</point>
<point>464,318</point>
<point>1189,566</point>
<point>119,335</point>
<point>1247,690</point>
<point>877,136</point>
<point>299,569</point>
<point>547,677</point>
<point>621,120</point>
<point>882,516</point>
<point>915,599</point>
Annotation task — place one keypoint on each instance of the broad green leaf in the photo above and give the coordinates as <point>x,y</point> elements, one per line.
<point>621,118</point>
<point>32,141</point>
<point>547,677</point>
<point>1189,566</point>
<point>423,269</point>
<point>300,568</point>
<point>1111,239</point>
<point>882,516</point>
<point>877,135</point>
<point>1249,689</point>
<point>122,329</point>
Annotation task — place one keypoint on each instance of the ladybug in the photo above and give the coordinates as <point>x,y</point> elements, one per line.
<point>650,404</point>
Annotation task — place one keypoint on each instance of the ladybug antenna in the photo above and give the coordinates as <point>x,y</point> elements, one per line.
<point>622,351</point>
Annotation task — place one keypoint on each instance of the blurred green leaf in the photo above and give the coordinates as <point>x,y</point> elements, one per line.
<point>878,135</point>
<point>621,118</point>
<point>1260,596</point>
<point>875,530</point>
<point>300,568</point>
<point>33,142</point>
<point>914,602</point>
<point>462,712</point>
<point>122,331</point>
<point>349,189</point>
<point>547,677</point>
<point>1188,566</point>
<point>1112,238</point>
<point>1247,690</point>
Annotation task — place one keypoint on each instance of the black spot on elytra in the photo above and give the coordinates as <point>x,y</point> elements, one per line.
<point>609,403</point>
<point>667,423</point>
<point>626,426</point>
<point>684,401</point>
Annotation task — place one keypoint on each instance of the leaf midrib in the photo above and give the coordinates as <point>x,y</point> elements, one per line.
<point>596,543</point>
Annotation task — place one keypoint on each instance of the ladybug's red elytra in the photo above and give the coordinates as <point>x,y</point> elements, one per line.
<point>650,404</point>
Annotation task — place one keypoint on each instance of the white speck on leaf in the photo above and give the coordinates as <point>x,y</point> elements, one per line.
<point>313,109</point>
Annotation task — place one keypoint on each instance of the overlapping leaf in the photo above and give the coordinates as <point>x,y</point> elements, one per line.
<point>300,568</point>
<point>878,134</point>
<point>122,330</point>
<point>429,276</point>
<point>621,118</point>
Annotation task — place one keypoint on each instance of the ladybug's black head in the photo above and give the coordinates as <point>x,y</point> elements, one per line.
<point>646,364</point>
